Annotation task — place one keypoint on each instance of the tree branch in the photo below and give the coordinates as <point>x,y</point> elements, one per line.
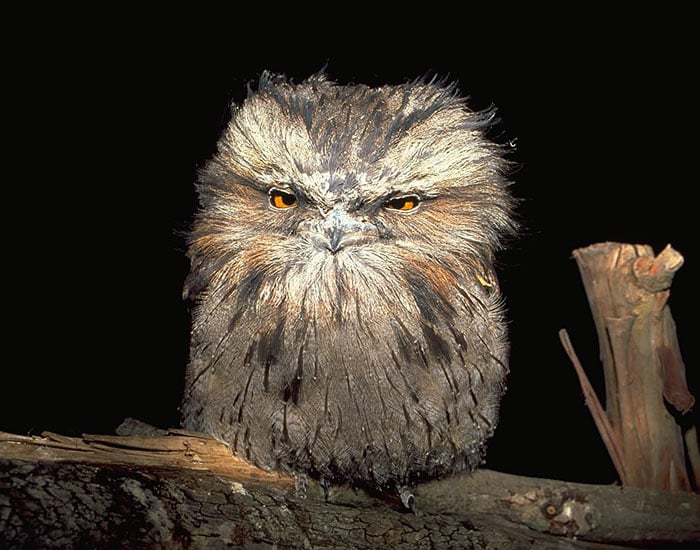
<point>185,490</point>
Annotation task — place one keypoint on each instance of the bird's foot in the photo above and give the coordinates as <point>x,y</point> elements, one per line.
<point>407,498</point>
<point>326,486</point>
<point>301,482</point>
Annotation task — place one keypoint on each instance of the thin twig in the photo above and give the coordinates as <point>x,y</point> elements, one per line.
<point>597,412</point>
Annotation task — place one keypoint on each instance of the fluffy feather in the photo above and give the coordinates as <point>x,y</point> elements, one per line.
<point>347,320</point>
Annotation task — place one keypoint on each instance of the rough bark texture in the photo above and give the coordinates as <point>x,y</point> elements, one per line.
<point>185,490</point>
<point>642,423</point>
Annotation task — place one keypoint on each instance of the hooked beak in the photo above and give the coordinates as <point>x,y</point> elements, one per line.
<point>339,230</point>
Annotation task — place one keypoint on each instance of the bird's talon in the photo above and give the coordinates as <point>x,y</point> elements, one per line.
<point>407,499</point>
<point>301,483</point>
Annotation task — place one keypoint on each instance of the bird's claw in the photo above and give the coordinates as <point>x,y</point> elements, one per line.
<point>407,499</point>
<point>301,482</point>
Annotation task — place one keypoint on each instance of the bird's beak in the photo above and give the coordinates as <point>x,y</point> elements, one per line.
<point>340,230</point>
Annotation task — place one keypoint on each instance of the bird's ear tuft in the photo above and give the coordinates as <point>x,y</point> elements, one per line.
<point>431,78</point>
<point>268,80</point>
<point>322,74</point>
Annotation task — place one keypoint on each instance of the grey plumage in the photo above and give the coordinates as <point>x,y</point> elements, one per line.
<point>347,321</point>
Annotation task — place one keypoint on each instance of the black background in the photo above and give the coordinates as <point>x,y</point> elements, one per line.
<point>106,125</point>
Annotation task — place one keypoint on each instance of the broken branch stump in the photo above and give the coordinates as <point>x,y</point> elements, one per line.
<point>645,384</point>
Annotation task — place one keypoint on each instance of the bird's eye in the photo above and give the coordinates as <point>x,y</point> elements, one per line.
<point>282,199</point>
<point>404,203</point>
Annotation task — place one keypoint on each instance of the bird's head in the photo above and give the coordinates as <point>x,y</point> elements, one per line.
<point>324,190</point>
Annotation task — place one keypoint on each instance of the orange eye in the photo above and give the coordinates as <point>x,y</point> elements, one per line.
<point>282,199</point>
<point>405,203</point>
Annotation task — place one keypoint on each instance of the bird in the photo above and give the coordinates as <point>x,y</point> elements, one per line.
<point>347,323</point>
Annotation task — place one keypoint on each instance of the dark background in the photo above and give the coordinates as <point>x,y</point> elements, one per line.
<point>107,124</point>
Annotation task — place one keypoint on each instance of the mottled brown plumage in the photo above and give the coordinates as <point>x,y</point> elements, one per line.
<point>347,321</point>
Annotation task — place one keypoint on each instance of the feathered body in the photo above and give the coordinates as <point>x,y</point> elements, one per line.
<point>347,321</point>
